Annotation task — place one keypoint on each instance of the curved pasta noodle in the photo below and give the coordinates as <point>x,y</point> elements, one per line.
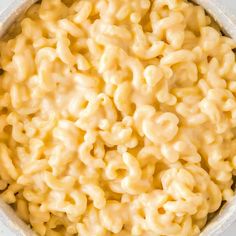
<point>117,118</point>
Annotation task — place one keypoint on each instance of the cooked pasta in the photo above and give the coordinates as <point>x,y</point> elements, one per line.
<point>117,118</point>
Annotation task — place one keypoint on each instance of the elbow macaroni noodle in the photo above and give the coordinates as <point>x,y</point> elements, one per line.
<point>117,118</point>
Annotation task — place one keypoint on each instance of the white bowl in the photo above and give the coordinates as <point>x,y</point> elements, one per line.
<point>223,13</point>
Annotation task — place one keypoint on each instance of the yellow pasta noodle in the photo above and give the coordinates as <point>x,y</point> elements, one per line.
<point>117,118</point>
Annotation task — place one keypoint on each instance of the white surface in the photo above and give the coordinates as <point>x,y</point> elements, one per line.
<point>4,4</point>
<point>3,230</point>
<point>230,4</point>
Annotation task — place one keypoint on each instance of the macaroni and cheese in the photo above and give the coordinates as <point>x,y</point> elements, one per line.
<point>117,117</point>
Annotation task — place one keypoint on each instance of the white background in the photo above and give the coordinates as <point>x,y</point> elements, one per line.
<point>231,4</point>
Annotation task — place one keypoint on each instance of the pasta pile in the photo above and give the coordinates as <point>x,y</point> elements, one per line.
<point>117,117</point>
